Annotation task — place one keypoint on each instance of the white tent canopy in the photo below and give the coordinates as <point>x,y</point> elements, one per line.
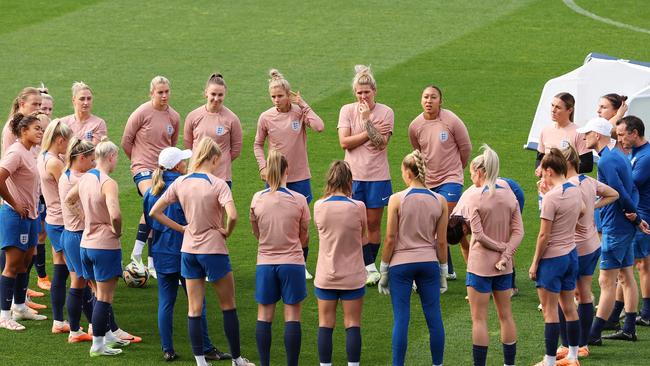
<point>600,75</point>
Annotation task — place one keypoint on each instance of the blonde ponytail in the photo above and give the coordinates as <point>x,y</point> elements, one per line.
<point>488,162</point>
<point>276,166</point>
<point>157,181</point>
<point>207,149</point>
<point>53,131</point>
<point>278,81</point>
<point>76,148</point>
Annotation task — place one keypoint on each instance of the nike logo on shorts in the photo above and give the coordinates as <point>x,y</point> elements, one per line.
<point>385,198</point>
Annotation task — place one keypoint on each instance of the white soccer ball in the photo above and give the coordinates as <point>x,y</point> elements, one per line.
<point>135,275</point>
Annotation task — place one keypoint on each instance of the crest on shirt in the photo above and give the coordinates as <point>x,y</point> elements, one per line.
<point>170,130</point>
<point>295,125</point>
<point>564,144</point>
<point>24,238</point>
<point>444,136</point>
<point>220,130</point>
<point>88,135</point>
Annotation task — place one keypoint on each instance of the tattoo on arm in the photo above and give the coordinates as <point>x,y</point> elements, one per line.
<point>374,136</point>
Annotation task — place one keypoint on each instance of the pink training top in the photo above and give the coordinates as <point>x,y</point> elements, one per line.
<point>203,198</point>
<point>366,161</point>
<point>23,182</point>
<point>586,236</point>
<point>561,138</point>
<point>445,144</point>
<point>472,194</point>
<point>8,138</point>
<point>98,230</point>
<point>146,133</point>
<point>223,127</point>
<point>71,221</point>
<point>287,133</point>
<point>342,229</point>
<point>281,218</point>
<point>93,129</point>
<point>50,189</point>
<point>419,212</point>
<point>561,205</point>
<point>497,217</point>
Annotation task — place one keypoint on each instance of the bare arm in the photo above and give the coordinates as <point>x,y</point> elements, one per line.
<point>349,141</point>
<point>54,167</point>
<point>607,195</point>
<point>158,213</point>
<point>391,229</point>
<point>231,211</point>
<point>111,194</point>
<point>540,248</point>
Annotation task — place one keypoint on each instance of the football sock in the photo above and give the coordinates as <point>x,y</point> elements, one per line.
<point>549,360</point>
<point>375,250</point>
<point>509,353</point>
<point>573,337</point>
<point>263,336</point>
<point>111,319</point>
<point>292,342</point>
<point>645,310</point>
<point>353,344</point>
<point>20,291</point>
<point>231,327</point>
<point>100,318</point>
<point>7,288</point>
<point>514,277</point>
<point>367,255</point>
<point>98,344</point>
<point>200,360</point>
<point>563,327</point>
<point>74,308</point>
<point>449,262</point>
<point>196,334</point>
<point>305,253</point>
<point>586,316</point>
<point>87,303</point>
<point>551,333</point>
<point>629,326</point>
<point>616,313</point>
<point>57,291</point>
<point>596,328</point>
<point>325,345</point>
<point>480,355</point>
<point>39,260</point>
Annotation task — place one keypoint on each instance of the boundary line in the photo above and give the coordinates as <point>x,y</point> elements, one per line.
<point>576,8</point>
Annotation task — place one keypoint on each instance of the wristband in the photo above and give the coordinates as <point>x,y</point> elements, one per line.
<point>383,267</point>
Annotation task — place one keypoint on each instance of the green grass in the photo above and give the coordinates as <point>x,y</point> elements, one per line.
<point>491,59</point>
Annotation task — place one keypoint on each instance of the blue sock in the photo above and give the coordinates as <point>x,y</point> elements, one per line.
<point>39,260</point>
<point>629,326</point>
<point>551,333</point>
<point>112,324</point>
<point>616,313</point>
<point>367,257</point>
<point>20,292</point>
<point>514,283</point>
<point>449,262</point>
<point>375,250</point>
<point>57,291</point>
<point>305,253</point>
<point>196,334</point>
<point>325,344</point>
<point>597,328</point>
<point>87,303</point>
<point>645,310</point>
<point>353,344</point>
<point>143,233</point>
<point>100,318</point>
<point>563,327</point>
<point>231,327</point>
<point>3,260</point>
<point>75,297</point>
<point>292,342</point>
<point>509,353</point>
<point>263,336</point>
<point>149,249</point>
<point>573,333</point>
<point>480,355</point>
<point>586,316</point>
<point>7,288</point>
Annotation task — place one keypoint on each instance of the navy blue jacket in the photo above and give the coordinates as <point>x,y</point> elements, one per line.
<point>614,169</point>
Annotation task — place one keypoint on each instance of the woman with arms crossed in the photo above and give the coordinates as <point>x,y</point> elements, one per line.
<point>84,124</point>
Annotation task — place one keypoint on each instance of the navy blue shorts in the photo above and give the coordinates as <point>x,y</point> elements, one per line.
<point>18,232</point>
<point>345,295</point>
<point>486,285</point>
<point>558,273</point>
<point>617,251</point>
<point>373,194</point>
<point>451,191</point>
<point>641,245</point>
<point>72,250</point>
<point>303,187</point>
<point>101,265</point>
<point>54,233</point>
<point>275,281</point>
<point>212,266</point>
<point>598,220</point>
<point>145,175</point>
<point>587,263</point>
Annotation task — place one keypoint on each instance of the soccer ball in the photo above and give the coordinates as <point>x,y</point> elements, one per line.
<point>135,275</point>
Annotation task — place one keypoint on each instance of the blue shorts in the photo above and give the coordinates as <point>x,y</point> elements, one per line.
<point>54,233</point>
<point>329,294</point>
<point>145,175</point>
<point>486,285</point>
<point>71,249</point>
<point>587,263</point>
<point>17,232</point>
<point>451,191</point>
<point>275,281</point>
<point>302,186</point>
<point>617,251</point>
<point>101,264</point>
<point>212,266</point>
<point>42,208</point>
<point>598,220</point>
<point>558,273</point>
<point>641,245</point>
<point>373,194</point>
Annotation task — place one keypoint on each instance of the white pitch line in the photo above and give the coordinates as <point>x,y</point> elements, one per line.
<point>575,7</point>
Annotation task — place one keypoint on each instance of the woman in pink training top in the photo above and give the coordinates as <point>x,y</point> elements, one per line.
<point>280,220</point>
<point>50,167</point>
<point>364,130</point>
<point>415,250</point>
<point>444,141</point>
<point>497,231</point>
<point>84,124</point>
<point>555,264</point>
<point>340,271</point>
<point>101,253</point>
<point>215,120</point>
<point>204,199</point>
<point>19,216</point>
<point>27,102</point>
<point>285,126</point>
<point>150,128</point>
